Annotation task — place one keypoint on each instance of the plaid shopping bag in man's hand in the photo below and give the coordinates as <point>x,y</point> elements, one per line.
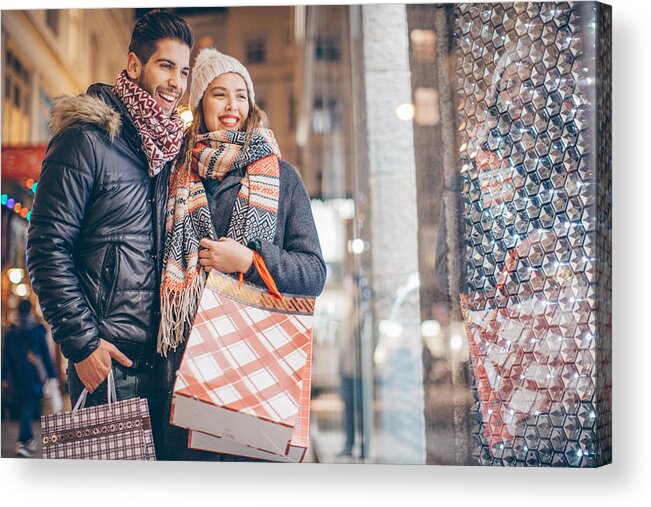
<point>117,430</point>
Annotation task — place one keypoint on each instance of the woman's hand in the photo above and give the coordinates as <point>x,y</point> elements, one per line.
<point>225,255</point>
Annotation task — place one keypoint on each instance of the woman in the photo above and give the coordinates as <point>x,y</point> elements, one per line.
<point>230,195</point>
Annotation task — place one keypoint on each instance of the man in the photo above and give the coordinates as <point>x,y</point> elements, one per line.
<point>95,238</point>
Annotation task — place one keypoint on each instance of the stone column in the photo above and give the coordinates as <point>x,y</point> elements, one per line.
<point>394,244</point>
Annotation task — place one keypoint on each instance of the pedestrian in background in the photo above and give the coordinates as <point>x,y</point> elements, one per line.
<point>26,366</point>
<point>350,377</point>
<point>230,196</point>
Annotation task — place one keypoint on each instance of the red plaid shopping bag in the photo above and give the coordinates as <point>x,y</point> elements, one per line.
<point>244,376</point>
<point>296,447</point>
<point>119,430</point>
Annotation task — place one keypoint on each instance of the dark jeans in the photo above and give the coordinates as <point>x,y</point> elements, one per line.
<point>29,406</point>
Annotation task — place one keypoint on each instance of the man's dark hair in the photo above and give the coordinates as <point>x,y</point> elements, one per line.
<point>154,26</point>
<point>24,307</point>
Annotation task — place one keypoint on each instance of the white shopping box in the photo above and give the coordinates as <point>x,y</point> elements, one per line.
<point>296,448</point>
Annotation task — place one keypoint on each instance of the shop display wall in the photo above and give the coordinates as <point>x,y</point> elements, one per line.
<point>533,86</point>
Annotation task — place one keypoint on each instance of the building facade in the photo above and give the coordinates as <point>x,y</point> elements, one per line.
<point>47,53</point>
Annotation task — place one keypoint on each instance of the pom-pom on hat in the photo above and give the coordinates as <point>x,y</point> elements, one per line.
<point>210,64</point>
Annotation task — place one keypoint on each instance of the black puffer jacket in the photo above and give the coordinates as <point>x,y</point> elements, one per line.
<point>95,239</point>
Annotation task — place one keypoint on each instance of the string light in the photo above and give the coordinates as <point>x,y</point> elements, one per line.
<point>17,207</point>
<point>186,115</point>
<point>20,290</point>
<point>405,112</point>
<point>16,275</point>
<point>31,184</point>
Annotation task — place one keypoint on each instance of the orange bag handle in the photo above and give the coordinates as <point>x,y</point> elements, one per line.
<point>262,270</point>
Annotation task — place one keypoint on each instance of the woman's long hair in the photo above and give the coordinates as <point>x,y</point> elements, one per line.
<point>257,118</point>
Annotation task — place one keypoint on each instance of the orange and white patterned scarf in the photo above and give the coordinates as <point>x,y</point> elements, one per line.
<point>188,219</point>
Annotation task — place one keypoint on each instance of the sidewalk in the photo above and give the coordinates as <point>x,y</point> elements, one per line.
<point>9,430</point>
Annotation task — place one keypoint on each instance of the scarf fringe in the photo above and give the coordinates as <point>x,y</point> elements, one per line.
<point>177,310</point>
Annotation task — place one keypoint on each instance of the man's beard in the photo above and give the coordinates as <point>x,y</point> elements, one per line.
<point>152,91</point>
<point>142,84</point>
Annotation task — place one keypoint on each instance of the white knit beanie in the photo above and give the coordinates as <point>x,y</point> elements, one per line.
<point>210,64</point>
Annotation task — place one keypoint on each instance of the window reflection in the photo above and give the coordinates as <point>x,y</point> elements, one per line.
<point>458,135</point>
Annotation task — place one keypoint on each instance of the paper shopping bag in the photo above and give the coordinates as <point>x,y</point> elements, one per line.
<point>243,370</point>
<point>296,447</point>
<point>119,430</point>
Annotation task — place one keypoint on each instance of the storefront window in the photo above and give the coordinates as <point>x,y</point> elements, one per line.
<point>468,322</point>
<point>255,50</point>
<point>15,115</point>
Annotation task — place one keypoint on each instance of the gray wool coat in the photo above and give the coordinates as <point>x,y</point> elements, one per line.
<point>295,262</point>
<point>294,258</point>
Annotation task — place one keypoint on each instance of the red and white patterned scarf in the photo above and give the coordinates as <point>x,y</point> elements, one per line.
<point>188,218</point>
<point>161,135</point>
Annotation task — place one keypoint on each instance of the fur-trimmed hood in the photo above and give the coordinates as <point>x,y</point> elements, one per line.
<point>69,110</point>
